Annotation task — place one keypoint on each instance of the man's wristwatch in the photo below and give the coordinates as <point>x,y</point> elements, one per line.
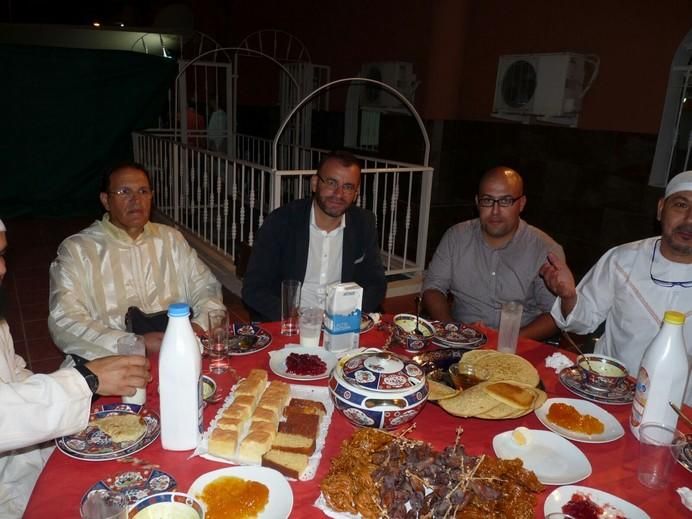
<point>91,379</point>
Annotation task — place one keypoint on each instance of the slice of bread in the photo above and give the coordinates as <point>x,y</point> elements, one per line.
<point>513,395</point>
<point>290,464</point>
<point>294,443</point>
<point>223,443</point>
<point>301,424</point>
<point>253,446</point>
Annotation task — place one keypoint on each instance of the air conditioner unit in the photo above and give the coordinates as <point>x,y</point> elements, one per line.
<point>545,86</point>
<point>397,74</point>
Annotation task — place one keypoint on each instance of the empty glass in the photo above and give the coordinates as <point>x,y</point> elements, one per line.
<point>290,303</point>
<point>217,341</point>
<point>104,504</point>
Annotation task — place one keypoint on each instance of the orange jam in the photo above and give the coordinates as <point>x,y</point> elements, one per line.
<point>568,417</point>
<point>229,497</point>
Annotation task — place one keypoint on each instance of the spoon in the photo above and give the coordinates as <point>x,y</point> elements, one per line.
<point>574,345</point>
<point>417,331</point>
<point>680,413</point>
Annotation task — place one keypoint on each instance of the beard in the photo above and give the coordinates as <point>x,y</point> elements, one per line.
<point>682,247</point>
<point>336,209</point>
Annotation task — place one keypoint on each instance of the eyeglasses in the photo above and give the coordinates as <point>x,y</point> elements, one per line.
<point>661,282</point>
<point>505,201</point>
<point>333,185</point>
<point>128,194</point>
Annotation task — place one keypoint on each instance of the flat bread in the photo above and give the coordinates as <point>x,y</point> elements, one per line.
<point>505,366</point>
<point>439,391</point>
<point>470,357</point>
<point>471,402</point>
<point>121,427</point>
<point>511,394</point>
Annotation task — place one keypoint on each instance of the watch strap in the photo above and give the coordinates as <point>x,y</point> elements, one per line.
<point>89,376</point>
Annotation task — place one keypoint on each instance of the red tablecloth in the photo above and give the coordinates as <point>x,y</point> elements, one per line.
<point>64,480</point>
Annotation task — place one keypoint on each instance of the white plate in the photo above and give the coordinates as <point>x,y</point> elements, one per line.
<point>280,494</point>
<point>613,505</point>
<point>277,361</point>
<point>613,429</point>
<point>554,460</point>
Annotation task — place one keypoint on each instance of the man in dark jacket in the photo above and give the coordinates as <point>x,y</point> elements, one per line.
<point>318,241</point>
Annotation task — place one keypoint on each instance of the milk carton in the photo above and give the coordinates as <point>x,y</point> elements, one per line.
<point>342,317</point>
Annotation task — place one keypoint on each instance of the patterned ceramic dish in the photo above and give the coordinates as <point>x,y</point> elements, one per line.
<point>375,388</point>
<point>151,419</point>
<point>457,335</point>
<point>404,332</point>
<point>571,378</point>
<point>136,484</point>
<point>600,372</point>
<point>167,504</point>
<point>264,339</point>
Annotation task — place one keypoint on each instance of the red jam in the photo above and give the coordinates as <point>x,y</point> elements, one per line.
<point>305,364</point>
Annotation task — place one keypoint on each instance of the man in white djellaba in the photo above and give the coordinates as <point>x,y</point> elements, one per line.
<point>632,285</point>
<point>35,408</point>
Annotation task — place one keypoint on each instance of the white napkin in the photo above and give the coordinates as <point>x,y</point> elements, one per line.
<point>685,496</point>
<point>558,362</point>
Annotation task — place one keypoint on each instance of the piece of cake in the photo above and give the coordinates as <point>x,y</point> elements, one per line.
<point>253,446</point>
<point>259,375</point>
<point>272,403</point>
<point>238,411</point>
<point>262,414</point>
<point>231,423</point>
<point>290,464</point>
<point>223,443</point>
<point>245,401</point>
<point>294,443</point>
<point>267,427</point>
<point>302,424</point>
<point>310,406</point>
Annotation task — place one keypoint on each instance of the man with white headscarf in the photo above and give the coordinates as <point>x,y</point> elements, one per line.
<point>35,408</point>
<point>632,285</point>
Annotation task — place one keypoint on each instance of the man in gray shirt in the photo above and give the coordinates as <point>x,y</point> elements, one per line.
<point>493,259</point>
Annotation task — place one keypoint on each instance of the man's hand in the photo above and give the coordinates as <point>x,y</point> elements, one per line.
<point>152,341</point>
<point>120,374</point>
<point>435,302</point>
<point>559,279</point>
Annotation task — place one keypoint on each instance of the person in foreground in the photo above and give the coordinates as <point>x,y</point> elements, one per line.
<point>35,408</point>
<point>493,259</point>
<point>632,285</point>
<point>318,241</point>
<point>121,261</point>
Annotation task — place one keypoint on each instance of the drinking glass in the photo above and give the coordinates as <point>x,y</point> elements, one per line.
<point>310,326</point>
<point>656,442</point>
<point>290,303</point>
<point>133,345</point>
<point>104,504</point>
<point>510,322</point>
<point>217,341</point>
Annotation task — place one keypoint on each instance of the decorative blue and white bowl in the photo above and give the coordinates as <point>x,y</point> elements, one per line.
<point>404,327</point>
<point>378,389</point>
<point>167,504</point>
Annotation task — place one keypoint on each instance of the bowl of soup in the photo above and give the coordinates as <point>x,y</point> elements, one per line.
<point>601,372</point>
<point>167,505</point>
<point>413,333</point>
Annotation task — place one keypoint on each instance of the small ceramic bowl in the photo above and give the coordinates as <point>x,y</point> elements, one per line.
<point>167,504</point>
<point>404,332</point>
<point>601,372</point>
<point>465,376</point>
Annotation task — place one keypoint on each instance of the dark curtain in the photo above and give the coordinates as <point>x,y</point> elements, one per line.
<point>68,114</point>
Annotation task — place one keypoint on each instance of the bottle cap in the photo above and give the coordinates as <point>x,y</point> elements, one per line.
<point>673,317</point>
<point>179,310</point>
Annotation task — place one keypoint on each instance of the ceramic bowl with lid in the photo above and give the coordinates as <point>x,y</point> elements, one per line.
<point>376,388</point>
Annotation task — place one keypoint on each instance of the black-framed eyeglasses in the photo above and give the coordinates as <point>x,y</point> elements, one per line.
<point>505,201</point>
<point>128,194</point>
<point>334,185</point>
<point>662,282</point>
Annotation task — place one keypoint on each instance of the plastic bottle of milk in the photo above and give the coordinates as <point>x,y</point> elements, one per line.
<point>180,382</point>
<point>662,376</point>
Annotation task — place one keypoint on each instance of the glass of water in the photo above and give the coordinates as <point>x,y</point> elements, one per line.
<point>217,341</point>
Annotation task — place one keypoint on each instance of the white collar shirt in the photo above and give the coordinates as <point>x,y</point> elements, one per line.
<point>619,290</point>
<point>325,255</point>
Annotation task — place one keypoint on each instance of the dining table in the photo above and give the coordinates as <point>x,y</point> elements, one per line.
<point>65,480</point>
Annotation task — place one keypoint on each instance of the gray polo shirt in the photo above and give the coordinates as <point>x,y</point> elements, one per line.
<point>481,278</point>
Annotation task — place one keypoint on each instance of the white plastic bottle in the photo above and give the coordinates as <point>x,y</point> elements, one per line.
<point>662,377</point>
<point>180,382</point>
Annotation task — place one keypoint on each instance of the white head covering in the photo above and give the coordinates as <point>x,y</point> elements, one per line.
<point>680,182</point>
<point>2,227</point>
